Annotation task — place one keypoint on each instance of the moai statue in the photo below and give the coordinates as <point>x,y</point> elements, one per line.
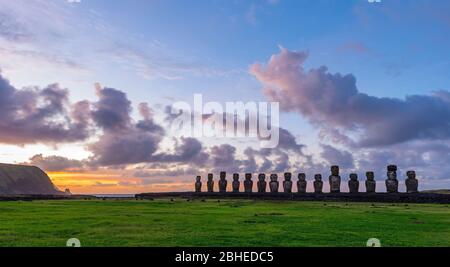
<point>210,183</point>
<point>301,183</point>
<point>335,180</point>
<point>248,183</point>
<point>287,183</point>
<point>353,183</point>
<point>198,184</point>
<point>391,181</point>
<point>371,185</point>
<point>412,184</point>
<point>262,184</point>
<point>223,182</point>
<point>236,184</point>
<point>274,184</point>
<point>318,184</point>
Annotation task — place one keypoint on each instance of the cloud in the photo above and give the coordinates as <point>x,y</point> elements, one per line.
<point>333,101</point>
<point>54,163</point>
<point>161,64</point>
<point>189,151</point>
<point>112,110</point>
<point>40,115</point>
<point>12,30</point>
<point>123,141</point>
<point>337,157</point>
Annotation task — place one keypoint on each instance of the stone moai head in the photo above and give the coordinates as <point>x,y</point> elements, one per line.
<point>370,176</point>
<point>198,178</point>
<point>302,176</point>
<point>287,176</point>
<point>223,175</point>
<point>210,176</point>
<point>335,170</point>
<point>248,176</point>
<point>273,177</point>
<point>318,177</point>
<point>354,177</point>
<point>392,172</point>
<point>261,177</point>
<point>411,174</point>
<point>392,168</point>
<point>236,176</point>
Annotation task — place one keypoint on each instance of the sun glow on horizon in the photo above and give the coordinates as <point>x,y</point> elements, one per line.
<point>111,183</point>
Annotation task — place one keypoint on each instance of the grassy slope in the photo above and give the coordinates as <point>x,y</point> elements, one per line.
<point>228,223</point>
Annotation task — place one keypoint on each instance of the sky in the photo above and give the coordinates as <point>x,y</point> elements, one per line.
<point>85,86</point>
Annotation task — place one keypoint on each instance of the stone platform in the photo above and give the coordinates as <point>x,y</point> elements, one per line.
<point>344,197</point>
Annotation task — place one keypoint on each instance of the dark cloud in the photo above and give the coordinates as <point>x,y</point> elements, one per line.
<point>54,163</point>
<point>190,150</point>
<point>333,101</point>
<point>429,159</point>
<point>40,115</point>
<point>123,141</point>
<point>337,157</point>
<point>112,110</point>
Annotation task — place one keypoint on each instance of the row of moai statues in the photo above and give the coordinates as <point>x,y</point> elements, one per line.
<point>334,181</point>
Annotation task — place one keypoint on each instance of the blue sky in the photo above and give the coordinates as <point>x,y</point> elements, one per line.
<point>161,51</point>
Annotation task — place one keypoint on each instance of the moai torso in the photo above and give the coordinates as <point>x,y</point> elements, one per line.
<point>210,183</point>
<point>335,180</point>
<point>198,184</point>
<point>301,183</point>
<point>412,184</point>
<point>391,181</point>
<point>274,184</point>
<point>248,183</point>
<point>370,182</point>
<point>236,184</point>
<point>287,183</point>
<point>262,184</point>
<point>318,184</point>
<point>223,182</point>
<point>353,183</point>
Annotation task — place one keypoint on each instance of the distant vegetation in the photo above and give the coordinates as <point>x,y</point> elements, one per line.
<point>226,223</point>
<point>438,191</point>
<point>18,179</point>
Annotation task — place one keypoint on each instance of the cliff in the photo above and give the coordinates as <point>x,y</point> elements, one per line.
<point>18,179</point>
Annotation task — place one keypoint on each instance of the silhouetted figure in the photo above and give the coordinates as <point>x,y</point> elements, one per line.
<point>301,183</point>
<point>391,181</point>
<point>287,183</point>
<point>198,184</point>
<point>412,184</point>
<point>210,183</point>
<point>335,180</point>
<point>262,184</point>
<point>318,184</point>
<point>223,182</point>
<point>274,184</point>
<point>236,184</point>
<point>248,183</point>
<point>371,184</point>
<point>353,183</point>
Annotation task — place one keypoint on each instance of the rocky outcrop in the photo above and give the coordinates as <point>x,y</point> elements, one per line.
<point>19,179</point>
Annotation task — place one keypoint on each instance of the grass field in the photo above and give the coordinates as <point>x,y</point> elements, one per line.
<point>225,223</point>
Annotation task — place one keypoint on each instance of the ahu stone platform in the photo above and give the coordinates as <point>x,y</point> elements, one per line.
<point>344,197</point>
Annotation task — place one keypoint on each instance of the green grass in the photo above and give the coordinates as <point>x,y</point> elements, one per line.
<point>225,223</point>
